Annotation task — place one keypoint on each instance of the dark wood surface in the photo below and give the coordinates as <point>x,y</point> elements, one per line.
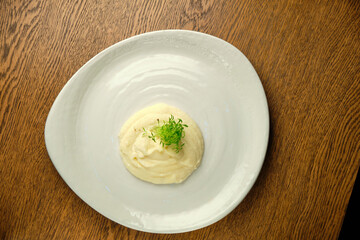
<point>307,54</point>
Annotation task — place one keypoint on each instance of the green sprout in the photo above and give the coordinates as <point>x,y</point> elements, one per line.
<point>169,133</point>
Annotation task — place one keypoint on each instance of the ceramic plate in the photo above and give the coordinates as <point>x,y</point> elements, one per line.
<point>203,75</point>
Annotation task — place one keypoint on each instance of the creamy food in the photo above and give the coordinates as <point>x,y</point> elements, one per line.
<point>149,160</point>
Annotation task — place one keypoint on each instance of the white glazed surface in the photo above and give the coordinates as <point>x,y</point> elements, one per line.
<point>204,76</point>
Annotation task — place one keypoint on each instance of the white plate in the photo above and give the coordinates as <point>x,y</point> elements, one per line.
<point>203,75</point>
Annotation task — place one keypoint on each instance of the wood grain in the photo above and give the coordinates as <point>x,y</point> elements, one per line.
<point>307,54</point>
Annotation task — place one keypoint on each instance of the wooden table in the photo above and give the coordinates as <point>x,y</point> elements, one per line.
<point>307,54</point>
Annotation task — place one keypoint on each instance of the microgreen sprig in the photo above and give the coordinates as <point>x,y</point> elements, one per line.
<point>169,133</point>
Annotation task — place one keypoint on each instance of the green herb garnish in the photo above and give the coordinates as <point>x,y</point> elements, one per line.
<point>169,133</point>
